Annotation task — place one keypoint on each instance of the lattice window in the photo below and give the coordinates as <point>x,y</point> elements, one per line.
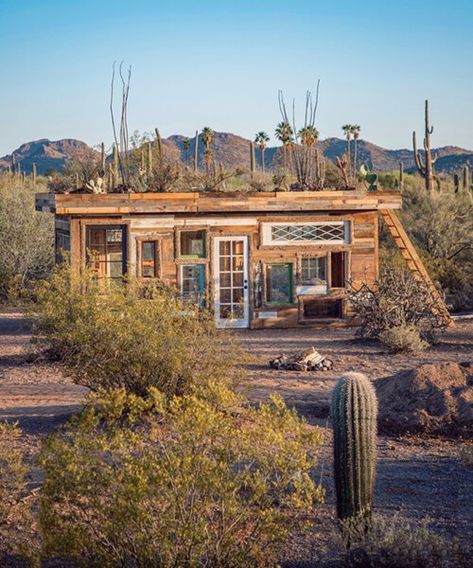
<point>336,232</point>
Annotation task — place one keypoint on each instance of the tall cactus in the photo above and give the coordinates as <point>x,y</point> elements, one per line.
<point>252,157</point>
<point>34,174</point>
<point>456,182</point>
<point>102,160</point>
<point>466,178</point>
<point>354,411</point>
<point>426,169</point>
<point>401,176</point>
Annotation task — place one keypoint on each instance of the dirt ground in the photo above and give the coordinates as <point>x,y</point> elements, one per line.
<point>416,477</point>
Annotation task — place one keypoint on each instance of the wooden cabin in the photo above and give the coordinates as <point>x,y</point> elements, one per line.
<point>257,260</point>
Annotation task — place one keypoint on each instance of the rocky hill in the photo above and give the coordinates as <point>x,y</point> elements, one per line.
<point>48,155</point>
<point>233,151</point>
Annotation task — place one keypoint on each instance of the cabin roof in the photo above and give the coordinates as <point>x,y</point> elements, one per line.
<point>223,202</point>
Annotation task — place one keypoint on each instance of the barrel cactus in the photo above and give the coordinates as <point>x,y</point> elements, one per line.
<point>354,411</point>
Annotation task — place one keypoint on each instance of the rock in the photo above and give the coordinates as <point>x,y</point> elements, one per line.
<point>432,399</point>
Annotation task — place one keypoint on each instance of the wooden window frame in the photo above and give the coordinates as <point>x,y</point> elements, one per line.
<point>157,257</point>
<point>106,225</point>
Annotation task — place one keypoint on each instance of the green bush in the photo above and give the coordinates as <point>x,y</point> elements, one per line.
<point>15,512</point>
<point>181,482</point>
<point>403,339</point>
<point>26,239</point>
<point>129,336</point>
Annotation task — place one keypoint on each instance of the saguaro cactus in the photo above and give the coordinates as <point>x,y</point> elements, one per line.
<point>401,176</point>
<point>426,169</point>
<point>354,411</point>
<point>466,178</point>
<point>252,158</point>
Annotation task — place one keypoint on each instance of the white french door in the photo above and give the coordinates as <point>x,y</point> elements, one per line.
<point>231,294</point>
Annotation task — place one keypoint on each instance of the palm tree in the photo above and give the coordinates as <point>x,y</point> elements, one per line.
<point>348,131</point>
<point>208,136</point>
<point>186,144</point>
<point>308,135</point>
<point>262,139</point>
<point>285,134</point>
<point>355,129</point>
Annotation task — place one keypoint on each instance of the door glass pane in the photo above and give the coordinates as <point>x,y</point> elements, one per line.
<point>225,248</point>
<point>237,247</point>
<point>225,263</point>
<point>279,283</point>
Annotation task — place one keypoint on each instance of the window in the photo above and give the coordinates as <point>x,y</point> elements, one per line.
<point>192,244</point>
<point>328,232</point>
<point>193,283</point>
<point>107,250</point>
<point>149,259</point>
<point>279,283</point>
<point>314,271</point>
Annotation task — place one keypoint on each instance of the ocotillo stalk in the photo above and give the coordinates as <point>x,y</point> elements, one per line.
<point>102,160</point>
<point>115,167</point>
<point>252,158</point>
<point>354,410</point>
<point>401,176</point>
<point>34,174</point>
<point>159,145</point>
<point>196,151</point>
<point>425,169</point>
<point>466,178</point>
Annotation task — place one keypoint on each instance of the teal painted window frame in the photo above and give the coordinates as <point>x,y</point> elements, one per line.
<point>291,283</point>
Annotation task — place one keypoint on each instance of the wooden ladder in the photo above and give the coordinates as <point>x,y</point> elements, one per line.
<point>413,261</point>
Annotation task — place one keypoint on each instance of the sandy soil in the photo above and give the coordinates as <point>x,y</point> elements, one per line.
<point>417,478</point>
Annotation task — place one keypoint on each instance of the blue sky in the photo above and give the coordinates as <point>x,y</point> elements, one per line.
<point>221,63</point>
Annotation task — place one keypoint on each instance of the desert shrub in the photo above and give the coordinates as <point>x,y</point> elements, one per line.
<point>177,482</point>
<point>403,339</point>
<point>440,224</point>
<point>397,544</point>
<point>26,239</point>
<point>130,336</point>
<point>396,300</point>
<point>15,511</point>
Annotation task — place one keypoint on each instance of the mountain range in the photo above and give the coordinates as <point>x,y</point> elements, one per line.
<point>232,151</point>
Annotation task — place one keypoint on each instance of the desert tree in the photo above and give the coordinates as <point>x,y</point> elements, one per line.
<point>186,144</point>
<point>285,135</point>
<point>208,136</point>
<point>262,140</point>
